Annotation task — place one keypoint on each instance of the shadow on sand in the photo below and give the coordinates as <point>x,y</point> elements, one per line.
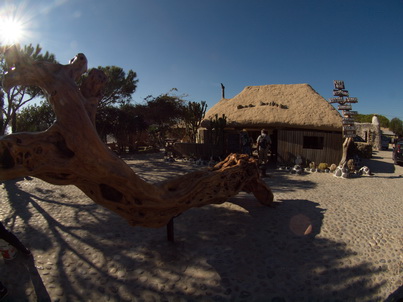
<point>240,252</point>
<point>24,277</point>
<point>379,165</point>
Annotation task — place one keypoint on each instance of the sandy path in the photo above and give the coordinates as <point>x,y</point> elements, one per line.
<point>327,239</point>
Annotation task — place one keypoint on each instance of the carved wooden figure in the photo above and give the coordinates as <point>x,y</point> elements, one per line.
<point>70,152</point>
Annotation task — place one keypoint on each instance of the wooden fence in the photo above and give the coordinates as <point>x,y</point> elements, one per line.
<point>203,151</point>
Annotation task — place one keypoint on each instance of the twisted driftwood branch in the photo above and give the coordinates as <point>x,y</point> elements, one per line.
<point>70,152</point>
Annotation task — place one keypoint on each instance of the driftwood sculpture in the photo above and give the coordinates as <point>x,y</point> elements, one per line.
<point>70,152</point>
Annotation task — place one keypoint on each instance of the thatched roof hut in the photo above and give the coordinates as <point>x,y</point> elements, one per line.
<point>278,106</point>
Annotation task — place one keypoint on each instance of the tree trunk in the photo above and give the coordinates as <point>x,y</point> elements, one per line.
<point>346,144</point>
<point>70,152</point>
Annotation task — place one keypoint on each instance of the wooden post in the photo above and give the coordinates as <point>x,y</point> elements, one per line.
<point>346,144</point>
<point>344,102</point>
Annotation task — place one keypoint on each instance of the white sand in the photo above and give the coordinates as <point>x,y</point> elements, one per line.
<point>327,239</point>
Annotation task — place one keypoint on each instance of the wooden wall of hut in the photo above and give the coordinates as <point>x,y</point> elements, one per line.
<point>313,146</point>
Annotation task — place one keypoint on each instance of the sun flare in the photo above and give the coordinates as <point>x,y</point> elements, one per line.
<point>11,31</point>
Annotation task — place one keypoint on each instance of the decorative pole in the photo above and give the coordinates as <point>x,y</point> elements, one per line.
<point>344,101</point>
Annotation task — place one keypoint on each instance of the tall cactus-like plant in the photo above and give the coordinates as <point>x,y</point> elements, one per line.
<point>215,133</point>
<point>218,125</point>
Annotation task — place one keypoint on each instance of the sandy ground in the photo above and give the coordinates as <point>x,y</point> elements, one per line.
<point>327,239</point>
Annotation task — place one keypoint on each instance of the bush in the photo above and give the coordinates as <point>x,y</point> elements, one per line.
<point>323,166</point>
<point>363,150</point>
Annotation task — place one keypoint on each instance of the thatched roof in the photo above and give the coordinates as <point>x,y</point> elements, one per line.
<point>277,106</point>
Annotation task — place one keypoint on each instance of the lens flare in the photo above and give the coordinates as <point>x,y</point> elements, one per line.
<point>301,225</point>
<point>11,31</point>
<point>14,24</point>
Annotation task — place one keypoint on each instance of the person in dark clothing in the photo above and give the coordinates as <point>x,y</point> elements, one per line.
<point>263,146</point>
<point>14,241</point>
<point>246,142</point>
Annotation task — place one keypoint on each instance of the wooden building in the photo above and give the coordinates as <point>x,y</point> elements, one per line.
<point>298,119</point>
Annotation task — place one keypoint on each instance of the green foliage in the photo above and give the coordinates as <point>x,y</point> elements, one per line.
<point>323,166</point>
<point>363,118</point>
<point>216,129</point>
<point>125,123</point>
<point>193,115</point>
<point>35,117</point>
<point>363,150</point>
<point>383,121</point>
<point>11,101</point>
<point>164,109</point>
<point>106,121</point>
<point>163,112</point>
<point>367,118</point>
<point>396,125</point>
<point>119,87</point>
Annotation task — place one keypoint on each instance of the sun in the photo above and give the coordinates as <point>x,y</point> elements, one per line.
<point>11,31</point>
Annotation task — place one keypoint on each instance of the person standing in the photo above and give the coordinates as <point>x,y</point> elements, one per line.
<point>263,146</point>
<point>246,143</point>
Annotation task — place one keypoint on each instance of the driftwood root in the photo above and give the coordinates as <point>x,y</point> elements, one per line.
<point>70,152</point>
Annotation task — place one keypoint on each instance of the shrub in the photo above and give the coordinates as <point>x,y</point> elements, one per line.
<point>323,166</point>
<point>351,165</point>
<point>363,150</point>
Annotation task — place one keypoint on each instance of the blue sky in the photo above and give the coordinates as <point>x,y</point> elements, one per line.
<point>196,45</point>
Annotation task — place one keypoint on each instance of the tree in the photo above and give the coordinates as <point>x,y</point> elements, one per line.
<point>383,121</point>
<point>119,87</point>
<point>35,117</point>
<point>106,120</point>
<point>11,101</point>
<point>193,115</point>
<point>363,118</point>
<point>125,123</point>
<point>130,126</point>
<point>367,118</point>
<point>118,91</point>
<point>396,125</point>
<point>161,113</point>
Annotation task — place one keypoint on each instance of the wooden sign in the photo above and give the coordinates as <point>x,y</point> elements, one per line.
<point>348,121</point>
<point>340,93</point>
<point>348,113</point>
<point>336,100</point>
<point>345,107</point>
<point>351,100</point>
<point>338,85</point>
<point>350,133</point>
